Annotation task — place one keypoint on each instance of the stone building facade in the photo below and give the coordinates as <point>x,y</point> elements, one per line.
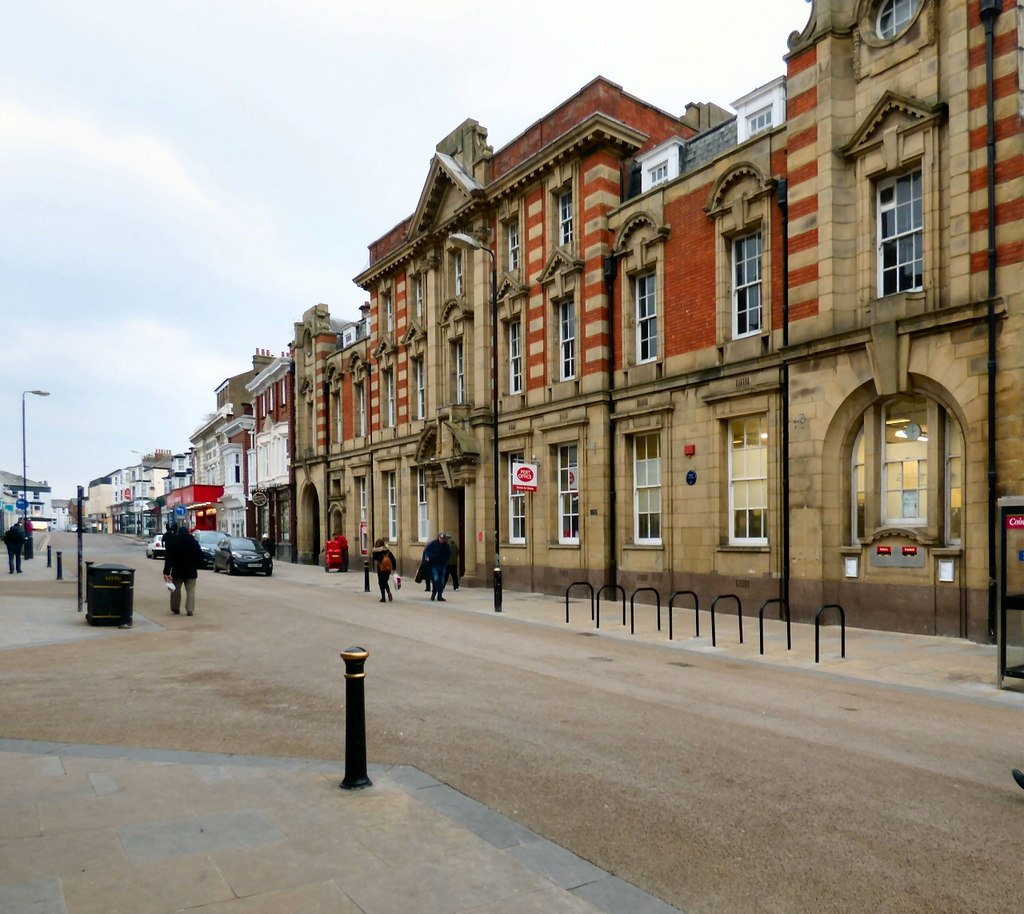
<point>776,355</point>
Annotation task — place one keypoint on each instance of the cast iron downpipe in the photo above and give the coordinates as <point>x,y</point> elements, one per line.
<point>989,11</point>
<point>783,204</point>
<point>611,269</point>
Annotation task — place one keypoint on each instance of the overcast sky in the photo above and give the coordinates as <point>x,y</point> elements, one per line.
<point>181,179</point>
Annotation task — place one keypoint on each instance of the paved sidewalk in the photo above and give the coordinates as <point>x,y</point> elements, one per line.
<point>88,829</point>
<point>101,830</point>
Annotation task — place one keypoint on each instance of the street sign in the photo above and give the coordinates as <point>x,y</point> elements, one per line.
<point>524,477</point>
<point>21,504</point>
<point>179,510</point>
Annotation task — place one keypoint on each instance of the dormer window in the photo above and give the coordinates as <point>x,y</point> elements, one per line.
<point>660,164</point>
<point>761,110</point>
<point>658,173</point>
<point>759,121</point>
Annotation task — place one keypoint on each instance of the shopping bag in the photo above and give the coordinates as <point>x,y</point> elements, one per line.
<point>398,582</point>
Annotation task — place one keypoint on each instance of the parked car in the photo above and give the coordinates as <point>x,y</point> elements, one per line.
<point>208,540</point>
<point>235,554</point>
<point>155,547</point>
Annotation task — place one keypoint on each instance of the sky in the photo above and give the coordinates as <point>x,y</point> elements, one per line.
<point>181,179</point>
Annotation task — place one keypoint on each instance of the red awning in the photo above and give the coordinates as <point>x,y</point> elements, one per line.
<point>194,495</point>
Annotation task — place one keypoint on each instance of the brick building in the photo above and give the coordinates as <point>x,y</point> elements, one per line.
<point>771,355</point>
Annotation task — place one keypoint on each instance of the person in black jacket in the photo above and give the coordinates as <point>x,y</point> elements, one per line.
<point>14,539</point>
<point>182,560</point>
<point>386,565</point>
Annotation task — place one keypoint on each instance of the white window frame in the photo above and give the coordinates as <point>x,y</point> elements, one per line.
<point>566,340</point>
<point>514,251</point>
<point>565,220</point>
<point>747,300</point>
<point>759,121</point>
<point>391,484</point>
<point>418,294</point>
<point>748,480</point>
<point>422,506</point>
<point>419,379</point>
<point>361,400</point>
<point>657,173</point>
<point>515,357</point>
<point>647,511</point>
<point>389,397</point>
<point>459,370</point>
<point>894,16</point>
<point>646,288</point>
<point>568,495</point>
<point>900,203</point>
<point>364,527</point>
<point>457,267</point>
<point>858,489</point>
<point>389,313</point>
<point>516,504</point>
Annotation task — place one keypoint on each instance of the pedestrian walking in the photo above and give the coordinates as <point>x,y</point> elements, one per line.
<point>182,560</point>
<point>436,555</point>
<point>14,539</point>
<point>452,567</point>
<point>386,564</point>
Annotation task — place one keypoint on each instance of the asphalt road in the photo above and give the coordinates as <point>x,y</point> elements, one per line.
<point>717,786</point>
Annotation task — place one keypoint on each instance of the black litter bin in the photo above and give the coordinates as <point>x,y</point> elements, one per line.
<point>109,590</point>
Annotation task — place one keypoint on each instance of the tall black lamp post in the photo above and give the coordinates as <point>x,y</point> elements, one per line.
<point>24,467</point>
<point>468,241</point>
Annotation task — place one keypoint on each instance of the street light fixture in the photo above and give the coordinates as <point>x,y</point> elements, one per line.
<point>24,464</point>
<point>468,241</point>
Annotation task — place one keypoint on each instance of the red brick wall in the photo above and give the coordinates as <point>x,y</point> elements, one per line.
<point>691,310</point>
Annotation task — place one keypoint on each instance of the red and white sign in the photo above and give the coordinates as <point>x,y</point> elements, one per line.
<point>127,494</point>
<point>524,477</point>
<point>1015,521</point>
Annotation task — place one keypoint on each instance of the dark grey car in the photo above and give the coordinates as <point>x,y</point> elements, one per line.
<point>236,554</point>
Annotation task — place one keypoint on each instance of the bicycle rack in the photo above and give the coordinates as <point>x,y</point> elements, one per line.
<point>589,587</point>
<point>842,628</point>
<point>696,608</point>
<point>760,622</point>
<point>739,614</point>
<point>632,600</point>
<point>615,587</point>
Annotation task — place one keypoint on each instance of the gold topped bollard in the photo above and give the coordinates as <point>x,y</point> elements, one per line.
<point>355,719</point>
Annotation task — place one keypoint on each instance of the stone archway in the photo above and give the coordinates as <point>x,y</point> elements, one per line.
<point>310,534</point>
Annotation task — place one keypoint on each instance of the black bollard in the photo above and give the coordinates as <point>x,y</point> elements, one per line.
<point>60,567</point>
<point>366,575</point>
<point>49,560</point>
<point>355,720</point>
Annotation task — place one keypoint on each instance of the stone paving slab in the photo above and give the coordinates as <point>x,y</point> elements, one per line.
<point>100,829</point>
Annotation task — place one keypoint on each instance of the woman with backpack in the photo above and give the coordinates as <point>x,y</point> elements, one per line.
<point>386,564</point>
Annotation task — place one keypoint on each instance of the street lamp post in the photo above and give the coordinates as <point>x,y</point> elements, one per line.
<point>468,241</point>
<point>24,468</point>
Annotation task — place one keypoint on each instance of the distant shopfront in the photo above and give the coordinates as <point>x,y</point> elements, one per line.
<point>200,504</point>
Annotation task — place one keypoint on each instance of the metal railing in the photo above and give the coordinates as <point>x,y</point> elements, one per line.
<point>632,604</point>
<point>760,622</point>
<point>615,587</point>
<point>842,628</point>
<point>739,615</point>
<point>696,608</point>
<point>589,587</point>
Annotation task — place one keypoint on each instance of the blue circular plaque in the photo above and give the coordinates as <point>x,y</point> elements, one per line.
<point>691,477</point>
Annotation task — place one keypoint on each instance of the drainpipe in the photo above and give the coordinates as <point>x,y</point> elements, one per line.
<point>292,510</point>
<point>989,11</point>
<point>783,204</point>
<point>611,269</point>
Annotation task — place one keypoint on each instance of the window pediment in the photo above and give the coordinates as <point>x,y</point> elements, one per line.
<point>454,313</point>
<point>560,274</point>
<point>415,334</point>
<point>896,114</point>
<point>384,347</point>
<point>642,225</point>
<point>744,181</point>
<point>509,287</point>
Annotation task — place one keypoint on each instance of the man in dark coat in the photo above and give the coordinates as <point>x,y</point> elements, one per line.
<point>436,555</point>
<point>14,539</point>
<point>182,560</point>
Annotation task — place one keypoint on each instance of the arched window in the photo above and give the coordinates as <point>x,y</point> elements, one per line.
<point>906,470</point>
<point>894,16</point>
